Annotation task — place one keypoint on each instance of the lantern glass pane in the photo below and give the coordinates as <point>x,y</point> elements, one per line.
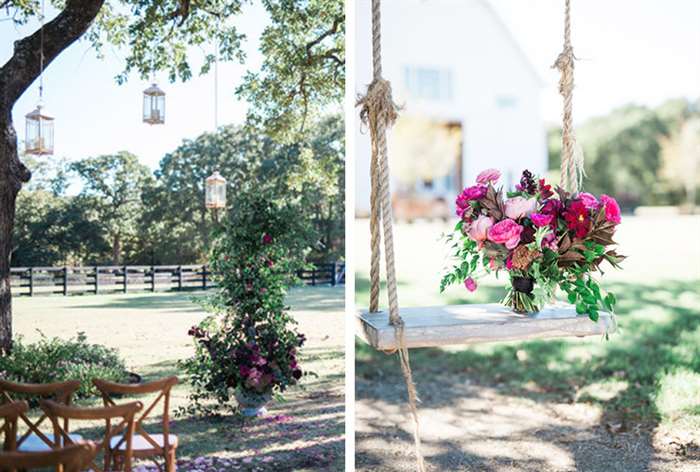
<point>38,134</point>
<point>153,107</point>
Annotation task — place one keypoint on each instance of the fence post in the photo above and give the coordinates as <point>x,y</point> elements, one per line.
<point>204,277</point>
<point>153,278</point>
<point>65,280</point>
<point>179,278</point>
<point>313,276</point>
<point>126,277</point>
<point>97,279</point>
<point>31,281</point>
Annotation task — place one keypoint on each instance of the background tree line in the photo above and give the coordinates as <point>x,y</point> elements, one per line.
<point>641,155</point>
<point>112,209</point>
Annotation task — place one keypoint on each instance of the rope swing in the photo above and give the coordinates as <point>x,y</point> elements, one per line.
<point>571,155</point>
<point>379,112</point>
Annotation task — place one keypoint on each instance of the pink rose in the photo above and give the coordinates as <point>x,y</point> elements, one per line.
<point>517,207</point>
<point>505,232</point>
<point>589,201</point>
<point>612,209</point>
<point>470,284</point>
<point>478,230</point>
<point>489,175</point>
<point>540,219</point>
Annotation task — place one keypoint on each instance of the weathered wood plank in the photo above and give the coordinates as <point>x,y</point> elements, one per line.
<point>472,324</point>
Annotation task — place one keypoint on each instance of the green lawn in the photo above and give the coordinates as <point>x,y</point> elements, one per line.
<point>306,432</point>
<point>646,378</point>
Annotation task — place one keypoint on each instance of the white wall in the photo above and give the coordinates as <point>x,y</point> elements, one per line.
<point>466,37</point>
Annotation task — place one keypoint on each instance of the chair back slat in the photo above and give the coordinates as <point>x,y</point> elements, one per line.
<point>126,412</point>
<point>162,386</point>
<point>10,412</point>
<point>61,392</point>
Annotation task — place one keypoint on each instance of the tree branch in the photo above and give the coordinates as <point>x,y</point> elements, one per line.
<point>23,67</point>
<point>334,29</point>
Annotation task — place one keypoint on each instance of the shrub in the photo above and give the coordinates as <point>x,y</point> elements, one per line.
<point>250,342</point>
<point>55,360</point>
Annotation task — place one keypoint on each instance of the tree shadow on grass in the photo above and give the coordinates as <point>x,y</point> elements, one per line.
<point>173,301</point>
<point>660,329</point>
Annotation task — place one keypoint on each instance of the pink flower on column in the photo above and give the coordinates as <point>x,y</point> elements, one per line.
<point>505,232</point>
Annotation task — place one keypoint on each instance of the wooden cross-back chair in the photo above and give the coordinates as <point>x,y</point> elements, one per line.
<point>125,427</point>
<point>145,445</point>
<point>9,413</point>
<point>34,440</point>
<point>73,458</point>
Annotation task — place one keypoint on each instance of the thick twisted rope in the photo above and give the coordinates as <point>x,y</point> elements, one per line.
<point>378,112</point>
<point>571,156</point>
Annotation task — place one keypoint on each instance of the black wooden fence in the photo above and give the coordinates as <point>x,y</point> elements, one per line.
<point>30,281</point>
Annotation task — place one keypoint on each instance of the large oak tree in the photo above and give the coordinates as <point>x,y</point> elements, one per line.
<point>302,69</point>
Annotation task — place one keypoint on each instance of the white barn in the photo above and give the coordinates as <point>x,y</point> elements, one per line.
<point>470,97</point>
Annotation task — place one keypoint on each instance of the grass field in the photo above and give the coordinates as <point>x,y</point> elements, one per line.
<point>633,401</point>
<point>306,432</point>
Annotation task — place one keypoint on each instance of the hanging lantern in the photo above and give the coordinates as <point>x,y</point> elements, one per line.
<point>38,137</point>
<point>154,105</point>
<point>215,194</point>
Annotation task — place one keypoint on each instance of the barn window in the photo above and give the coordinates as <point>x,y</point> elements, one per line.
<point>428,83</point>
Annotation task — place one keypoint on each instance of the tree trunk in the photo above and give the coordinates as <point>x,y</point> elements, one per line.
<point>16,75</point>
<point>116,249</point>
<point>12,174</point>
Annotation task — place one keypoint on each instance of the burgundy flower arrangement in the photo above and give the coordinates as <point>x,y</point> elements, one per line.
<point>543,238</point>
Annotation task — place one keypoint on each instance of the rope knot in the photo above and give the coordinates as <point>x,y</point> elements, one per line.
<point>377,107</point>
<point>565,64</point>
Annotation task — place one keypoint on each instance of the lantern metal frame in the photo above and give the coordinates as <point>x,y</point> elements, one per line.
<point>215,192</point>
<point>153,105</point>
<point>39,133</point>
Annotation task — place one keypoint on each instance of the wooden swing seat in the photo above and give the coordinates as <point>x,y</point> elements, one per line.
<point>472,324</point>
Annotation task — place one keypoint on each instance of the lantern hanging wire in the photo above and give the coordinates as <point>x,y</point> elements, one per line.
<point>39,132</point>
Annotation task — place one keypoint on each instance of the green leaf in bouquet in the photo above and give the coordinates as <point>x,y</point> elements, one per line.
<point>581,308</point>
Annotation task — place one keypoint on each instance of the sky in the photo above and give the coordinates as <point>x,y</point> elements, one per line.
<point>641,51</point>
<point>96,116</point>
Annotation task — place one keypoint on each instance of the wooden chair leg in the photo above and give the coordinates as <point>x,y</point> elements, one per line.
<point>170,460</point>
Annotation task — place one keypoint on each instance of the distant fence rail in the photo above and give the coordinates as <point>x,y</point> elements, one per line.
<point>30,281</point>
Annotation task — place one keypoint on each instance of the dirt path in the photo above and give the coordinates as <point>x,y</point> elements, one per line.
<point>468,427</point>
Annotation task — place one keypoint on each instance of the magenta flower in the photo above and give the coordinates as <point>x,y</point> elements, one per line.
<point>505,232</point>
<point>470,284</point>
<point>540,219</point>
<point>589,201</point>
<point>266,239</point>
<point>489,175</point>
<point>612,209</point>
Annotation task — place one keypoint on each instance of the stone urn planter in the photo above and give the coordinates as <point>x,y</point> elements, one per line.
<point>252,404</point>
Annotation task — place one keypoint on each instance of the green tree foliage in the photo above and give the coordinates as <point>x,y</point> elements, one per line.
<point>161,219</point>
<point>624,152</point>
<point>112,185</point>
<point>303,70</point>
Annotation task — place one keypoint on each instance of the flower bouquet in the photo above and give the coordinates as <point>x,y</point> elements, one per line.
<point>543,239</point>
